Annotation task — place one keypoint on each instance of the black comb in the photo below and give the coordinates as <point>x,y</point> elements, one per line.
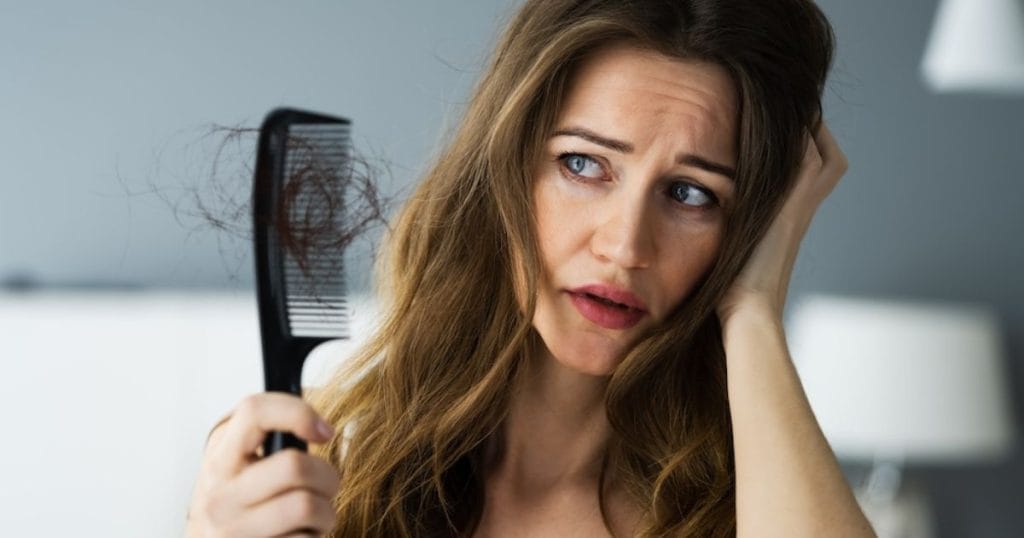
<point>302,163</point>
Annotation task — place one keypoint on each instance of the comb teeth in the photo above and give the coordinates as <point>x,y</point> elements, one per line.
<point>315,296</point>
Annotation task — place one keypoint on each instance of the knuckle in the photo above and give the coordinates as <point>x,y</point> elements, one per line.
<point>217,431</point>
<point>249,406</point>
<point>215,435</point>
<point>839,167</point>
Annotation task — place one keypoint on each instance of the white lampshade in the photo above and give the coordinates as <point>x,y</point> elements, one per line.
<point>976,45</point>
<point>914,382</point>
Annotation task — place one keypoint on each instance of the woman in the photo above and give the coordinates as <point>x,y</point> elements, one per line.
<point>584,299</point>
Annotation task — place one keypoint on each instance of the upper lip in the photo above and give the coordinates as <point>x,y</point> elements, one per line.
<point>612,293</point>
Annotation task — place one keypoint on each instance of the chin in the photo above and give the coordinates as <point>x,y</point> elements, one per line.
<point>589,358</point>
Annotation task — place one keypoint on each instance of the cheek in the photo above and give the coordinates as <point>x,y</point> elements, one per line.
<point>686,266</point>
<point>557,223</point>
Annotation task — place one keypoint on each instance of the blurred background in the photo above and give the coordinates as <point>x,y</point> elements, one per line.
<point>130,324</point>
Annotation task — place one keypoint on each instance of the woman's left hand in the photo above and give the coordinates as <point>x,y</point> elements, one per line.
<point>764,281</point>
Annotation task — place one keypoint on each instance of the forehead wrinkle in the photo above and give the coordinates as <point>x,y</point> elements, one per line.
<point>695,110</point>
<point>702,128</point>
<point>713,101</point>
<point>715,106</point>
<point>698,95</point>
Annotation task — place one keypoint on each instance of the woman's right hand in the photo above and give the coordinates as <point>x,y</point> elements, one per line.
<point>287,494</point>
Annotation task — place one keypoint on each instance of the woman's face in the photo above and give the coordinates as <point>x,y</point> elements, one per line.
<point>631,195</point>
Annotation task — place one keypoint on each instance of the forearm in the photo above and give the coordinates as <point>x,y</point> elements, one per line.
<point>788,482</point>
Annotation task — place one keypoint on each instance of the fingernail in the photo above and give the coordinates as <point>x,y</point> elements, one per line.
<point>324,429</point>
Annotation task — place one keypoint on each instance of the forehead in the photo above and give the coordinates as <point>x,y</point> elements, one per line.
<point>642,94</point>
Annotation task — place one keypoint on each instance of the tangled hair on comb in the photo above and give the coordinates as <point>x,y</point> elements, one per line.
<point>323,211</point>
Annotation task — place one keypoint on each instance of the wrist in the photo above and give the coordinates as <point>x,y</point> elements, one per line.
<point>753,316</point>
<point>753,308</point>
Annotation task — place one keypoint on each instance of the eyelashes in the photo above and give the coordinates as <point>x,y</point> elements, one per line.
<point>583,168</point>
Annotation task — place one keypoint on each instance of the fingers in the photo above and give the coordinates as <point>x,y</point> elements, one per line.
<point>831,155</point>
<point>297,512</point>
<point>253,418</point>
<point>286,494</point>
<point>283,471</point>
<point>822,166</point>
<point>765,278</point>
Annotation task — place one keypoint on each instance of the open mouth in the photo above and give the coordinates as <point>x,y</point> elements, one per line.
<point>605,312</point>
<point>608,302</point>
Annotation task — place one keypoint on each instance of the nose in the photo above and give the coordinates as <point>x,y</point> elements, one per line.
<point>624,234</point>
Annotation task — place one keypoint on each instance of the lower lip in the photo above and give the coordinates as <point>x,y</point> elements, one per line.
<point>609,317</point>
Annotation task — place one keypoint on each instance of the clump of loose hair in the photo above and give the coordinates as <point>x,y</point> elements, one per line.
<point>323,210</point>
<point>421,401</point>
<point>327,200</point>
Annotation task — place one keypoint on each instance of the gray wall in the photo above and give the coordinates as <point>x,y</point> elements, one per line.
<point>931,208</point>
<point>102,104</point>
<point>106,106</point>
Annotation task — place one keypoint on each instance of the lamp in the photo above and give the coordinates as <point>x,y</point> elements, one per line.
<point>976,45</point>
<point>897,383</point>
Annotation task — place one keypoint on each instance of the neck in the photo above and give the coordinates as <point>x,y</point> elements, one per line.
<point>556,430</point>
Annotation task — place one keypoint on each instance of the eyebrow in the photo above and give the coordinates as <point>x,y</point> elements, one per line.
<point>625,147</point>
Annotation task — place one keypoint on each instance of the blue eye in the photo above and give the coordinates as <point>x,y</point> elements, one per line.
<point>581,165</point>
<point>691,195</point>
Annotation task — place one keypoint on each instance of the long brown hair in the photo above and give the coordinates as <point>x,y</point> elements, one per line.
<point>418,404</point>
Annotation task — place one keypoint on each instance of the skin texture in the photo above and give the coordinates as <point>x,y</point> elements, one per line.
<point>636,219</point>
